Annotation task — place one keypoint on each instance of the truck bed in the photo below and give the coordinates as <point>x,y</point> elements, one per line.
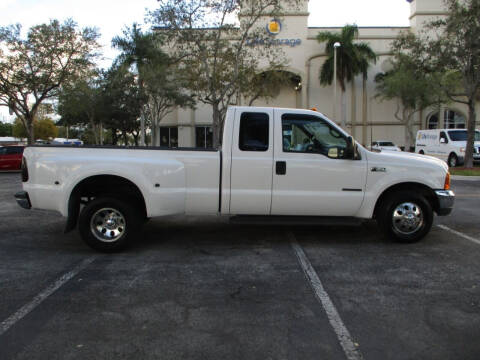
<point>172,181</point>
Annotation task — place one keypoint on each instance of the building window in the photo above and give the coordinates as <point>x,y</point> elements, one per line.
<point>204,137</point>
<point>454,120</point>
<point>169,136</point>
<point>432,122</point>
<point>254,132</point>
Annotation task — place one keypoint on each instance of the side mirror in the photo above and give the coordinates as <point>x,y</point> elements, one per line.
<point>333,153</point>
<point>443,141</point>
<point>351,148</point>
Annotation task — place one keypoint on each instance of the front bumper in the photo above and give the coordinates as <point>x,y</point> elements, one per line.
<point>446,199</point>
<point>23,200</point>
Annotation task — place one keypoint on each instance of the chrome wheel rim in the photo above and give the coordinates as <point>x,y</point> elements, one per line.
<point>407,218</point>
<point>108,225</point>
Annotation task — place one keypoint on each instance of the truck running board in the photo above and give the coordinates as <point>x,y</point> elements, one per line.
<point>295,220</point>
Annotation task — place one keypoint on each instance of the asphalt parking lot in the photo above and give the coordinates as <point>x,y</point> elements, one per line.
<point>202,288</point>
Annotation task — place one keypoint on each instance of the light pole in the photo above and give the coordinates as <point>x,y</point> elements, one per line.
<point>335,46</point>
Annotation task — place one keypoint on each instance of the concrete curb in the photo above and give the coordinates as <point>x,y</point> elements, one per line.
<point>466,178</point>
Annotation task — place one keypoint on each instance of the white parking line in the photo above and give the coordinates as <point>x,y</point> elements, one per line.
<point>458,233</point>
<point>45,293</point>
<point>350,349</point>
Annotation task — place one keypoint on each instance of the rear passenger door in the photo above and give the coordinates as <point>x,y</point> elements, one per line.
<point>252,162</point>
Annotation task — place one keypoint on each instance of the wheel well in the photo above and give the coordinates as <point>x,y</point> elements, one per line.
<point>412,187</point>
<point>102,185</point>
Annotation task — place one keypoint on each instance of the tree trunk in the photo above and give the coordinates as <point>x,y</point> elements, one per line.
<point>216,125</point>
<point>114,136</point>
<point>125,138</point>
<point>135,138</point>
<point>364,111</point>
<point>353,120</point>
<point>344,111</point>
<point>408,129</point>
<point>94,130</point>
<point>30,132</point>
<point>470,133</point>
<point>142,129</point>
<point>101,133</point>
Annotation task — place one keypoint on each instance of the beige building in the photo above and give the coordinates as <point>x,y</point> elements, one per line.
<point>375,121</point>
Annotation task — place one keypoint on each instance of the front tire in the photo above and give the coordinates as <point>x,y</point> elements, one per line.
<point>405,217</point>
<point>108,224</point>
<point>452,160</point>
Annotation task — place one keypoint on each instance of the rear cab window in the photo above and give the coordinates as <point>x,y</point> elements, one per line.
<point>254,132</point>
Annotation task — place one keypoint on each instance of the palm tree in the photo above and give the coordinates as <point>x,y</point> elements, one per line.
<point>140,50</point>
<point>366,56</point>
<point>352,59</point>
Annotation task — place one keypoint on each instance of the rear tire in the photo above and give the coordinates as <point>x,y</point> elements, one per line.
<point>108,224</point>
<point>421,152</point>
<point>405,217</point>
<point>452,160</point>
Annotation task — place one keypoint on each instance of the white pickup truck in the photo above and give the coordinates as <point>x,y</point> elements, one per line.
<point>273,162</point>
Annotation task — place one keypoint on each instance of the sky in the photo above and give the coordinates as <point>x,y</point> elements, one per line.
<point>111,16</point>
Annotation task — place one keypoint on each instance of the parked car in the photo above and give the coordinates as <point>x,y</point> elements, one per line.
<point>384,145</point>
<point>273,163</point>
<point>446,144</point>
<point>11,157</point>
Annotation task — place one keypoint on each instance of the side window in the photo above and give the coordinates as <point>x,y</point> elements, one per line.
<point>311,134</point>
<point>444,137</point>
<point>12,150</point>
<point>169,136</point>
<point>3,150</point>
<point>254,132</point>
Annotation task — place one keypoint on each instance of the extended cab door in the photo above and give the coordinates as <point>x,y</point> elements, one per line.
<point>311,177</point>
<point>252,162</point>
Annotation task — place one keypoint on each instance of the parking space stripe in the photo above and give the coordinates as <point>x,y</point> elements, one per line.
<point>348,345</point>
<point>458,233</point>
<point>45,293</point>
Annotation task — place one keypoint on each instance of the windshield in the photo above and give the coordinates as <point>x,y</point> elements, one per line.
<point>462,135</point>
<point>386,143</point>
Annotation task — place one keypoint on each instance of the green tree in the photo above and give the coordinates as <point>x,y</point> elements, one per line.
<point>353,58</point>
<point>5,129</point>
<point>214,52</point>
<point>32,69</point>
<point>81,103</point>
<point>18,130</point>
<point>122,102</point>
<point>44,129</point>
<point>456,52</point>
<point>139,50</point>
<point>413,89</point>
<point>267,84</point>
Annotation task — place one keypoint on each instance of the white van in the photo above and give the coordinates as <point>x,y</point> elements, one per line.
<point>446,144</point>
